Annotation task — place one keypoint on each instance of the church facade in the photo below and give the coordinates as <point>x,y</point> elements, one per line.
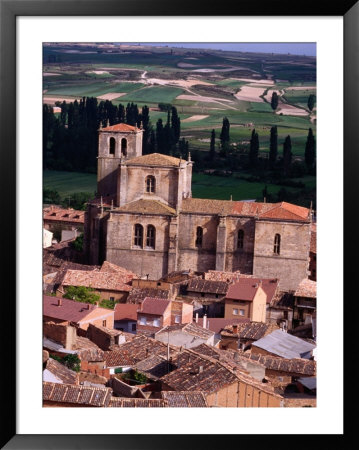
<point>145,219</point>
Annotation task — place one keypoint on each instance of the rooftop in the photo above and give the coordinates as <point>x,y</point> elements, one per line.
<point>61,371</point>
<point>219,275</point>
<point>188,328</point>
<point>126,311</point>
<point>296,365</point>
<point>243,289</point>
<point>64,215</point>
<point>69,310</point>
<point>184,399</point>
<point>120,402</point>
<point>143,206</point>
<point>207,286</point>
<point>122,127</point>
<point>110,281</point>
<point>251,330</point>
<point>155,159</point>
<point>154,306</point>
<point>81,395</point>
<point>217,324</point>
<point>281,211</point>
<point>137,295</point>
<point>307,288</point>
<point>285,345</point>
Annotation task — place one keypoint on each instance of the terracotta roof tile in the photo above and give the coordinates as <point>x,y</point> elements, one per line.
<point>189,328</point>
<point>155,159</point>
<point>307,288</point>
<point>184,399</point>
<point>126,311</point>
<point>122,127</point>
<point>154,306</point>
<point>207,286</point>
<point>69,310</point>
<point>251,330</point>
<point>295,365</point>
<point>146,207</point>
<point>243,289</point>
<point>137,295</point>
<point>218,275</point>
<point>98,280</point>
<point>113,268</point>
<point>81,395</point>
<point>61,371</point>
<point>120,402</point>
<point>217,324</point>
<point>64,215</point>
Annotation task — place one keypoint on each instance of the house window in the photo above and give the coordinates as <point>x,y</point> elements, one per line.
<point>199,236</point>
<point>276,249</point>
<point>133,328</point>
<point>177,319</point>
<point>124,147</point>
<point>151,236</point>
<point>143,321</point>
<point>112,299</point>
<point>240,239</point>
<point>235,311</point>
<point>150,184</point>
<point>104,323</point>
<point>112,146</point>
<point>241,312</point>
<point>138,237</point>
<point>156,322</point>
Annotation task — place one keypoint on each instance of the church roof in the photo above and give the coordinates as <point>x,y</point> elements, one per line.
<point>147,207</point>
<point>155,159</point>
<point>121,127</point>
<point>282,210</point>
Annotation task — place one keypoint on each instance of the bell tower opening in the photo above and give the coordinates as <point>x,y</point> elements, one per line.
<point>124,147</point>
<point>112,147</point>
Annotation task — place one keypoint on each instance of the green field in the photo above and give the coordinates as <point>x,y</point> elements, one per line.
<point>203,186</point>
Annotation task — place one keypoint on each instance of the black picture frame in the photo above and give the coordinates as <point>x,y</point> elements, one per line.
<point>9,10</point>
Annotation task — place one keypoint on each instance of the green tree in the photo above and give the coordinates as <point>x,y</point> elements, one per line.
<point>254,149</point>
<point>51,196</point>
<point>311,102</point>
<point>212,146</point>
<point>287,155</point>
<point>175,124</point>
<point>224,137</point>
<point>274,101</point>
<point>82,294</point>
<point>309,154</point>
<point>273,146</point>
<point>78,243</point>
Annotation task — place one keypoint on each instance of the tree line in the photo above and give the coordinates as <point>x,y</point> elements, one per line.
<point>70,139</point>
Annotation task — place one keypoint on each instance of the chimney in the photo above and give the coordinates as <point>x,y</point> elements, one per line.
<point>59,302</point>
<point>205,321</point>
<point>196,317</point>
<point>200,370</point>
<point>96,304</point>
<point>235,328</point>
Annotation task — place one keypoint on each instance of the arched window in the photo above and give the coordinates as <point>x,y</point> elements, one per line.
<point>276,249</point>
<point>138,236</point>
<point>151,236</point>
<point>199,236</point>
<point>240,239</point>
<point>124,147</point>
<point>112,145</point>
<point>150,184</point>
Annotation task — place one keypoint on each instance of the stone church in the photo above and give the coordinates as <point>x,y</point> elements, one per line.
<point>145,219</point>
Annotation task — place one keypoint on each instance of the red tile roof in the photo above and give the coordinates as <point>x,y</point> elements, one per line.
<point>269,285</point>
<point>154,306</point>
<point>122,127</point>
<point>61,371</point>
<point>189,328</point>
<point>98,280</point>
<point>155,159</point>
<point>207,286</point>
<point>120,402</point>
<point>64,215</point>
<point>282,211</point>
<point>184,399</point>
<point>307,288</point>
<point>113,268</point>
<point>126,311</point>
<point>81,395</point>
<point>69,310</point>
<point>243,289</point>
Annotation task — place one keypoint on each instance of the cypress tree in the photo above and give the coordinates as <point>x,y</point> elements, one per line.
<point>224,136</point>
<point>273,146</point>
<point>287,155</point>
<point>309,153</point>
<point>274,101</point>
<point>175,125</point>
<point>212,146</point>
<point>311,102</point>
<point>253,149</point>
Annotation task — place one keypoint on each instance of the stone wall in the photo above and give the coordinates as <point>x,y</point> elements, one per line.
<point>63,334</point>
<point>291,265</point>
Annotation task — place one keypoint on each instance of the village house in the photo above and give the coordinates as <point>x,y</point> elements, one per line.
<point>144,217</point>
<point>80,314</point>
<point>221,386</point>
<point>207,296</point>
<point>241,336</point>
<point>69,395</point>
<point>126,317</point>
<point>104,337</point>
<point>246,298</point>
<point>184,399</point>
<point>63,223</point>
